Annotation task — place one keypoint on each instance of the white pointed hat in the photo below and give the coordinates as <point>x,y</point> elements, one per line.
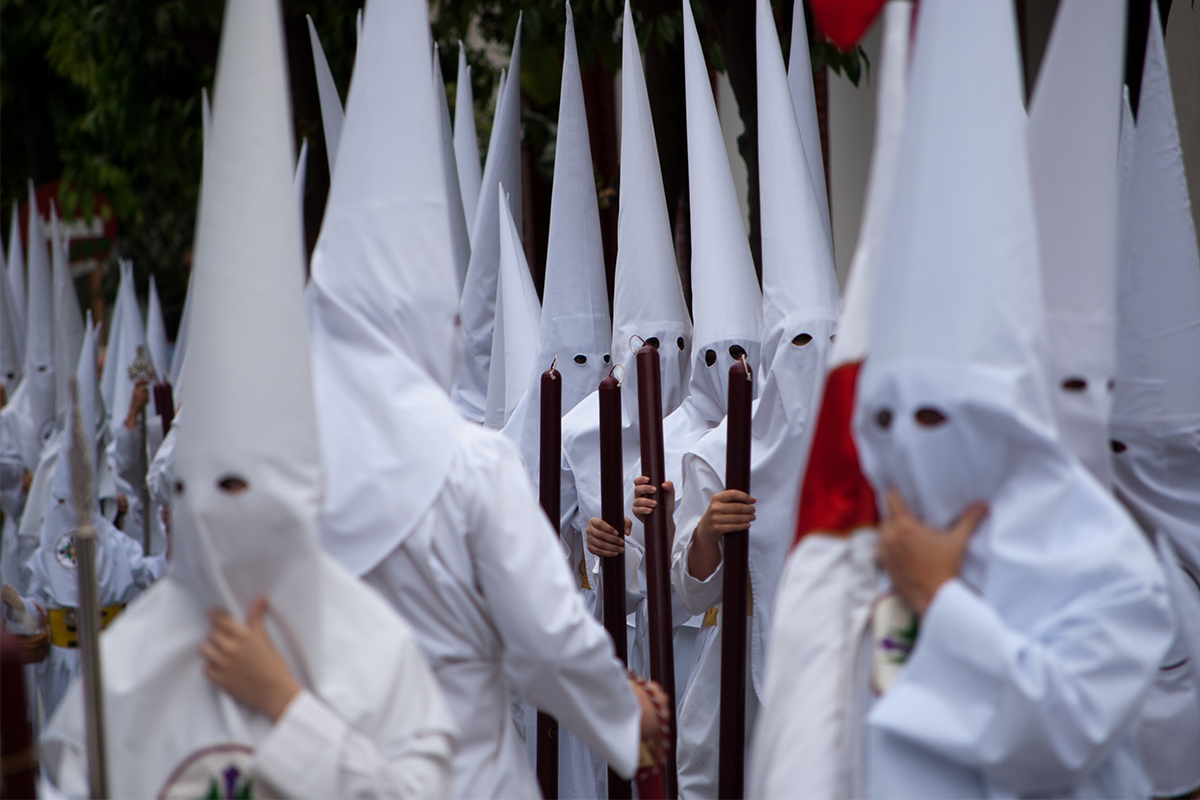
<point>460,235</point>
<point>478,306</point>
<point>33,402</point>
<point>114,324</point>
<point>466,140</point>
<point>130,337</point>
<point>854,325</point>
<point>1073,167</point>
<point>180,351</point>
<point>68,319</point>
<point>1158,376</point>
<point>726,300</point>
<point>15,274</point>
<point>648,297</point>
<point>382,299</point>
<point>10,340</point>
<point>804,103</point>
<point>249,478</point>
<point>958,325</point>
<point>518,316</point>
<point>327,94</point>
<point>1155,424</point>
<point>156,332</point>
<point>575,326</point>
<point>799,281</point>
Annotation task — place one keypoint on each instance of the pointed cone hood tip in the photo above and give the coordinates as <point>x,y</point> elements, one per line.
<point>327,94</point>
<point>466,140</point>
<point>460,234</point>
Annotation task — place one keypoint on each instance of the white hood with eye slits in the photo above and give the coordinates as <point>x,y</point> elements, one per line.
<point>952,409</point>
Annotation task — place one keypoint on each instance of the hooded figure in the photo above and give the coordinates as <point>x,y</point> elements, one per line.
<point>122,570</point>
<point>1026,670</point>
<point>28,419</point>
<point>327,94</point>
<point>460,234</point>
<point>575,327</point>
<point>800,306</point>
<point>478,308</point>
<point>804,734</point>
<point>518,314</point>
<point>15,275</point>
<point>368,719</point>
<point>116,325</point>
<point>466,140</point>
<point>1073,167</point>
<point>68,320</point>
<point>648,306</point>
<point>1155,425</point>
<point>433,511</point>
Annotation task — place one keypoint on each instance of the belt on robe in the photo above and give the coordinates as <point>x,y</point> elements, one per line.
<point>710,616</point>
<point>62,624</point>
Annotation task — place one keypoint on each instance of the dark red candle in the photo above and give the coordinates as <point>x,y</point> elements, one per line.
<point>16,735</point>
<point>612,501</point>
<point>734,592</point>
<point>550,480</point>
<point>658,548</point>
<point>164,402</point>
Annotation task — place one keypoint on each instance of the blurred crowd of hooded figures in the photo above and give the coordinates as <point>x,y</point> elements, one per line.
<point>323,568</point>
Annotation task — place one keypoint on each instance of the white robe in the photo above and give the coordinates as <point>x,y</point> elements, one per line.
<point>374,725</point>
<point>482,581</point>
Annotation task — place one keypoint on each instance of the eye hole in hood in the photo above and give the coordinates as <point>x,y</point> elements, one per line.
<point>580,359</point>
<point>653,342</point>
<point>802,339</point>
<point>929,417</point>
<point>736,351</point>
<point>1074,384</point>
<point>710,357</point>
<point>883,418</point>
<point>680,343</point>
<point>232,484</point>
<point>1117,447</point>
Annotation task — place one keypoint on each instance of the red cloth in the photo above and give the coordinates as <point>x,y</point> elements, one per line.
<point>835,498</point>
<point>844,21</point>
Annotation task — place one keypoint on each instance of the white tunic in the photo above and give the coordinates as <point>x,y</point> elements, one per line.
<point>373,725</point>
<point>483,582</point>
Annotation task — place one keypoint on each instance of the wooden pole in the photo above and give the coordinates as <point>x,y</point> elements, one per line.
<point>735,590</point>
<point>549,483</point>
<point>612,501</point>
<point>658,548</point>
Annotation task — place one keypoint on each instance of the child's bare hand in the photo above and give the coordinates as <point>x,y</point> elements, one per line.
<point>603,539</point>
<point>644,500</point>
<point>241,660</point>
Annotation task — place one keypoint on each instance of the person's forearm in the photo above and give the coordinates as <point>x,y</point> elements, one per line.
<point>704,557</point>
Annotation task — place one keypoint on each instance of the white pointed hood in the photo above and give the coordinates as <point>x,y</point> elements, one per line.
<point>466,140</point>
<point>726,301</point>
<point>1072,158</point>
<point>575,325</point>
<point>31,408</point>
<point>156,333</point>
<point>960,294</point>
<point>854,324</point>
<point>244,511</point>
<point>518,315</point>
<point>327,94</point>
<point>952,409</point>
<point>10,339</point>
<point>1155,424</point>
<point>130,337</point>
<point>804,103</point>
<point>478,307</point>
<point>647,293</point>
<point>460,236</point>
<point>68,320</point>
<point>177,355</point>
<point>382,301</point>
<point>115,323</point>
<point>15,274</point>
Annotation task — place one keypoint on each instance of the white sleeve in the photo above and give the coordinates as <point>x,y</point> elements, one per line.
<point>125,459</point>
<point>700,483</point>
<point>556,654</point>
<point>313,752</point>
<point>1034,712</point>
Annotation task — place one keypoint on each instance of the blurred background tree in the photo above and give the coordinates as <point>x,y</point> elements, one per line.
<point>105,96</point>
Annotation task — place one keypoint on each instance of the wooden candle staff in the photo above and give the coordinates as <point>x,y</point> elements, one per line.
<point>612,568</point>
<point>734,593</point>
<point>549,483</point>
<point>658,548</point>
